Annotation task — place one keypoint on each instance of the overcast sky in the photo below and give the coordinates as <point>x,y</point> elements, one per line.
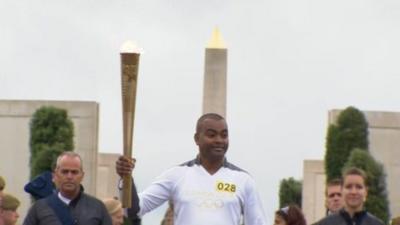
<point>289,62</point>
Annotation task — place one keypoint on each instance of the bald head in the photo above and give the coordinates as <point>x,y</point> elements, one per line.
<point>68,154</point>
<point>212,116</point>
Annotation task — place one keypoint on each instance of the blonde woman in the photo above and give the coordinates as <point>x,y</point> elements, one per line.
<point>114,208</point>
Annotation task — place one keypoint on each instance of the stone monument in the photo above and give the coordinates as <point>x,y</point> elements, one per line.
<point>215,72</point>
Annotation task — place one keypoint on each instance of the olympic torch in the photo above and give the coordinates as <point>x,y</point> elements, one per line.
<point>129,73</point>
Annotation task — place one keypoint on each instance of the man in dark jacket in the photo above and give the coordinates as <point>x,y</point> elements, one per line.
<point>69,205</point>
<point>333,196</point>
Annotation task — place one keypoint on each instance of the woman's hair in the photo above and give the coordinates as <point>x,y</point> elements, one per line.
<point>112,205</point>
<point>292,214</point>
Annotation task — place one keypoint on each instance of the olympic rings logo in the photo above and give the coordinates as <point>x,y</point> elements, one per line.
<point>211,203</point>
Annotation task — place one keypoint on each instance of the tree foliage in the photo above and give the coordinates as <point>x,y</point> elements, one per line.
<point>51,132</point>
<point>290,192</point>
<point>350,132</point>
<point>377,202</point>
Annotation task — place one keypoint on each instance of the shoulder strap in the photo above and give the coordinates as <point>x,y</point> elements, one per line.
<point>61,209</point>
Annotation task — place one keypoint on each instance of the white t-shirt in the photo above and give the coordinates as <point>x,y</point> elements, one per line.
<point>200,198</point>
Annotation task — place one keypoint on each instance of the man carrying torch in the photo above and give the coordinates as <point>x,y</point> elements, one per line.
<point>206,190</point>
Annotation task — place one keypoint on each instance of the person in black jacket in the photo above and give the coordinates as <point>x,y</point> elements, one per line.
<point>333,196</point>
<point>354,192</point>
<point>69,205</point>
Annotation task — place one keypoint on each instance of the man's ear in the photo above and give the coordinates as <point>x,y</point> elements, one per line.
<point>54,178</point>
<point>196,138</point>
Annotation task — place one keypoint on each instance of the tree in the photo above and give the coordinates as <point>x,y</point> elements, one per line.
<point>290,192</point>
<point>350,132</point>
<point>51,132</point>
<point>377,202</point>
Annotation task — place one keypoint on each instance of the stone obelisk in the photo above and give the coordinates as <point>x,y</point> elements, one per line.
<point>215,70</point>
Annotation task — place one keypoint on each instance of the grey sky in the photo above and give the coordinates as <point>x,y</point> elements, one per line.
<point>289,62</point>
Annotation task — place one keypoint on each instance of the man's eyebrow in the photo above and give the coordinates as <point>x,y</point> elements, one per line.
<point>210,129</point>
<point>70,169</point>
<point>213,130</point>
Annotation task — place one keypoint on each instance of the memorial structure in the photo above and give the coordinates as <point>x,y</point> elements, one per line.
<point>215,72</point>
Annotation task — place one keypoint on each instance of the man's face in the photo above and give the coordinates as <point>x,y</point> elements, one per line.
<point>212,139</point>
<point>9,217</point>
<point>334,200</point>
<point>68,176</point>
<point>354,192</point>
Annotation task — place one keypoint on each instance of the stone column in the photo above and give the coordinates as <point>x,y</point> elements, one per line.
<point>313,193</point>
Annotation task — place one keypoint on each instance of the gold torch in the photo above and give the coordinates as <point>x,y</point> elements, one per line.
<point>129,73</point>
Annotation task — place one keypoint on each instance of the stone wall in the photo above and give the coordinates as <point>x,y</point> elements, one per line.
<point>107,178</point>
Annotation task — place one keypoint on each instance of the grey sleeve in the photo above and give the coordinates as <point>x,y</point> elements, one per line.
<point>31,218</point>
